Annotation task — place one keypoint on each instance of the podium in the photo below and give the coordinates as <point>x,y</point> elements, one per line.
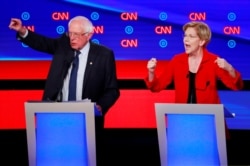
<point>60,133</point>
<point>191,134</point>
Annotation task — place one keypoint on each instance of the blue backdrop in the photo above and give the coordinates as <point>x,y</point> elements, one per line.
<point>135,30</point>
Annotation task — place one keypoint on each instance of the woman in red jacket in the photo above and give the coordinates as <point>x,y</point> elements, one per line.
<point>194,72</point>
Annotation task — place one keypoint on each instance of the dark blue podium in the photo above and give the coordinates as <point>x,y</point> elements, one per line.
<point>191,134</point>
<point>60,133</point>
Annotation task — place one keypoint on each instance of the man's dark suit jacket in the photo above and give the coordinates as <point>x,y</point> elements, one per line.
<point>100,80</point>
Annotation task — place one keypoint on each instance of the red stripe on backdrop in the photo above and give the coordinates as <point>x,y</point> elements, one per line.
<point>134,108</point>
<point>12,115</point>
<point>24,69</point>
<point>38,69</point>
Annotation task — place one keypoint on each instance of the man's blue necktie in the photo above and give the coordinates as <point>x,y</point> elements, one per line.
<point>73,77</point>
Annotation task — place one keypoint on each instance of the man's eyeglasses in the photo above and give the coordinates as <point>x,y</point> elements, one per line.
<point>76,35</point>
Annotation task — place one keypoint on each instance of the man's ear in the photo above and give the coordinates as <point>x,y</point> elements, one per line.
<point>89,35</point>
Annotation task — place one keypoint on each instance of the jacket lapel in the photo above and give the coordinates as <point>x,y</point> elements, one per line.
<point>90,62</point>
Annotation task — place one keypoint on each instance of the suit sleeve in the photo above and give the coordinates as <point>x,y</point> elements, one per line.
<point>111,90</point>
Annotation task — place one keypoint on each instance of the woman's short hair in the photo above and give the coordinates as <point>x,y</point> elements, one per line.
<point>202,29</point>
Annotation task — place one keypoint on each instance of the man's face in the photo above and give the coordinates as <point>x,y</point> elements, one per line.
<point>78,38</point>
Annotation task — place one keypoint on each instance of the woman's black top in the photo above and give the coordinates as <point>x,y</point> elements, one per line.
<point>191,92</point>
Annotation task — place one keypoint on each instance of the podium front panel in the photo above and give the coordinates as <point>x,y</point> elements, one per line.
<point>191,134</point>
<point>61,133</point>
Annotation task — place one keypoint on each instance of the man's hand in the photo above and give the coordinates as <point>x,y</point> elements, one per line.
<point>16,24</point>
<point>99,108</point>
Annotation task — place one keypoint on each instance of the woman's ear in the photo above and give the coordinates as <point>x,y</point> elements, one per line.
<point>202,43</point>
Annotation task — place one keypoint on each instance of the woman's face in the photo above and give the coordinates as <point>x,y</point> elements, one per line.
<point>192,42</point>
